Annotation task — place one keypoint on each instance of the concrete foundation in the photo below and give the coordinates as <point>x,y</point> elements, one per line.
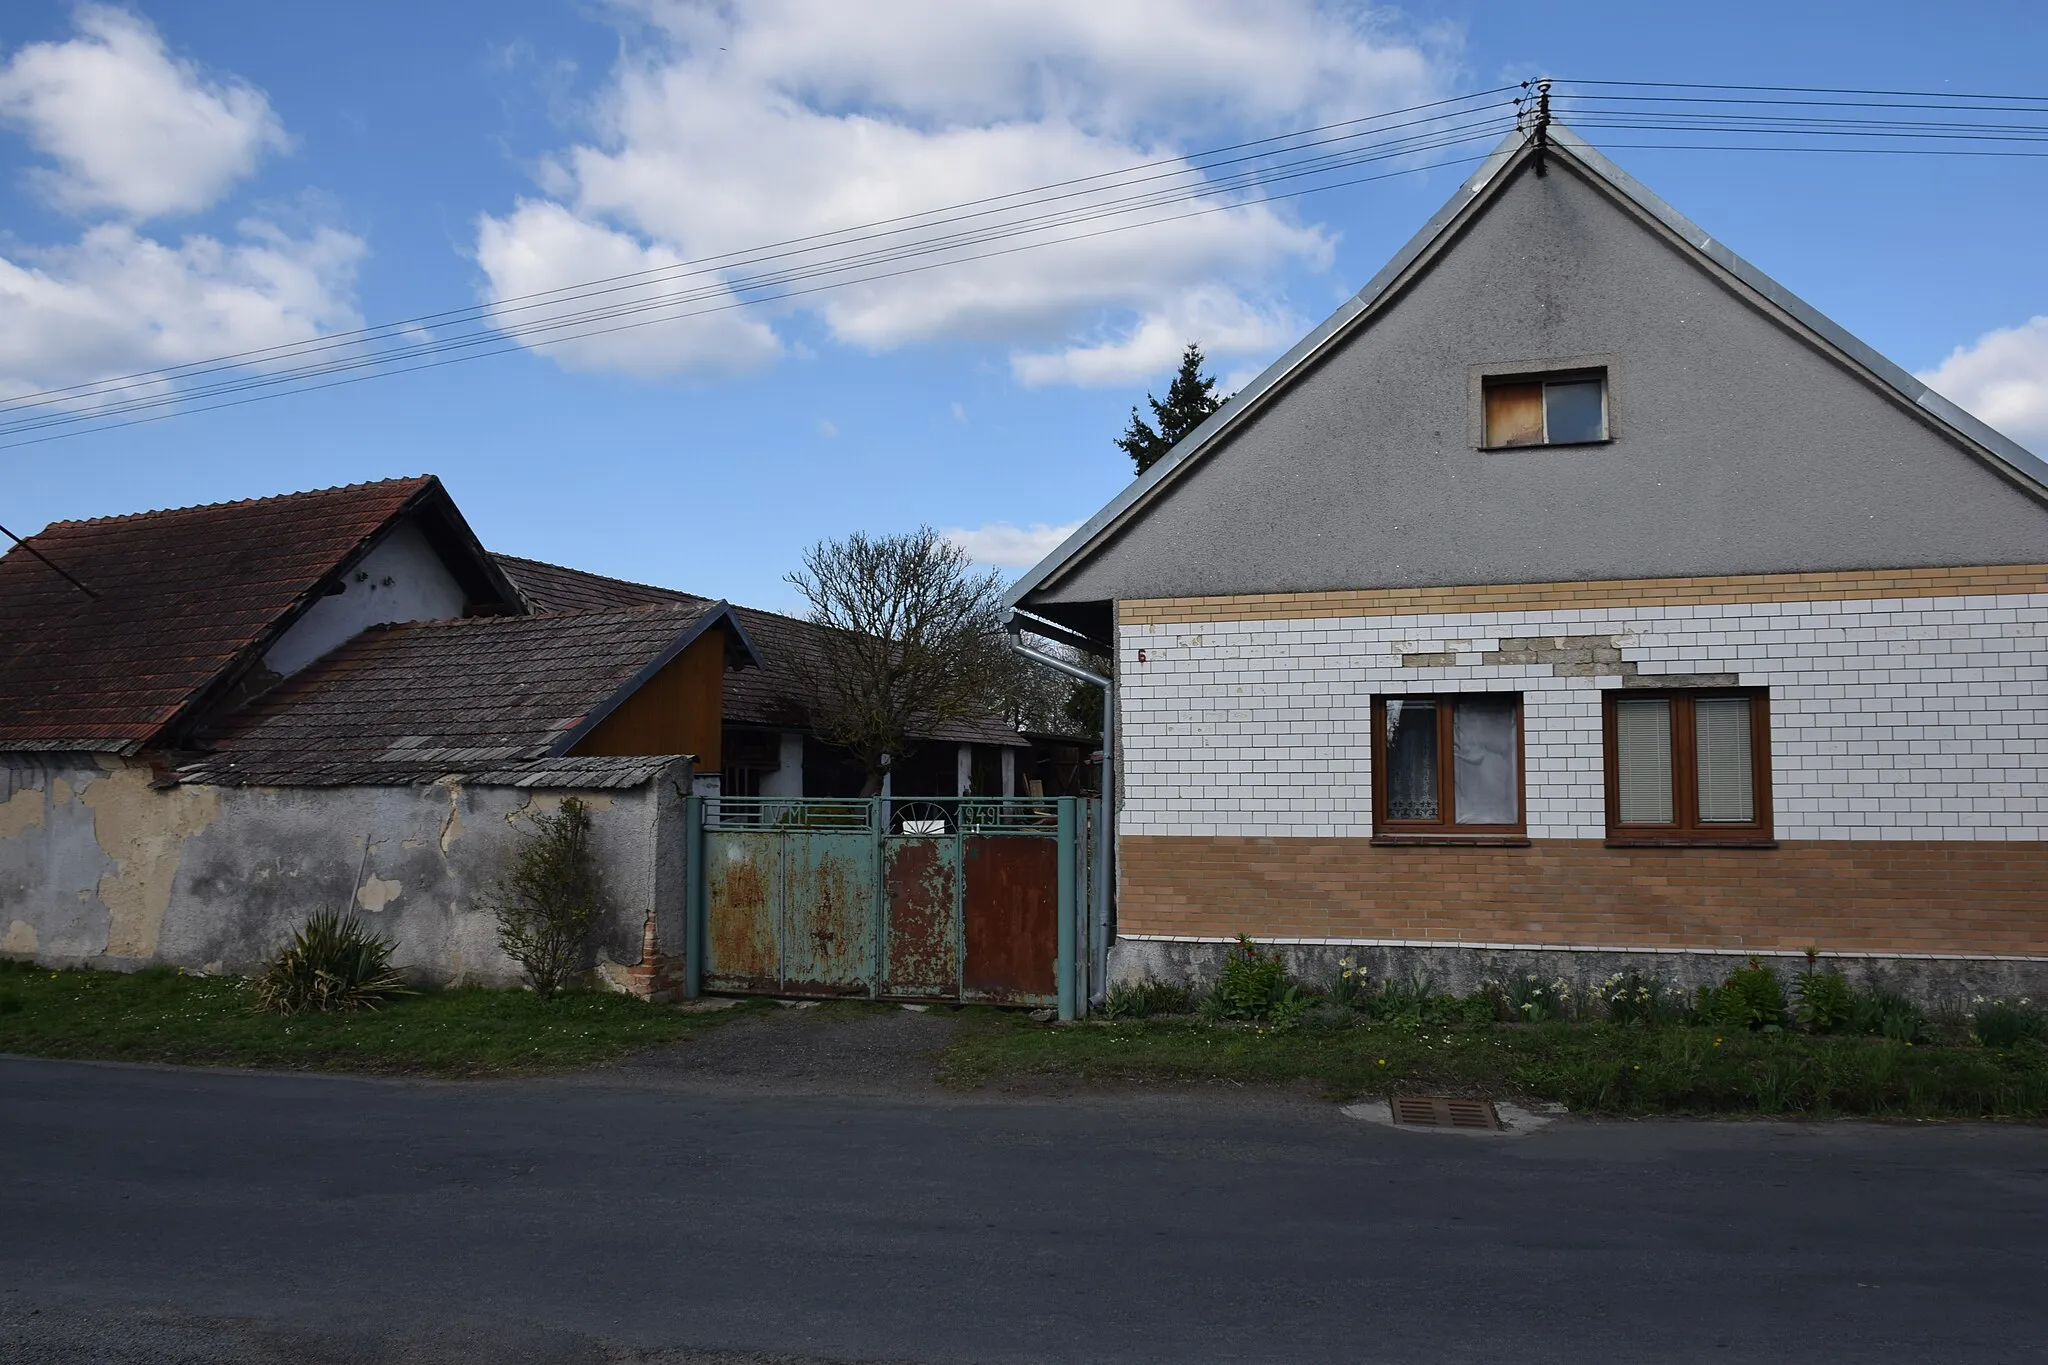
<point>1462,969</point>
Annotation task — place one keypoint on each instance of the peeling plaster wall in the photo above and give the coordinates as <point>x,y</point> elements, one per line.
<point>403,579</point>
<point>99,868</point>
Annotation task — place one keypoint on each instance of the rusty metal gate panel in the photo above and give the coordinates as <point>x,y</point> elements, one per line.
<point>953,900</point>
<point>742,911</point>
<point>921,956</point>
<point>1012,919</point>
<point>828,913</point>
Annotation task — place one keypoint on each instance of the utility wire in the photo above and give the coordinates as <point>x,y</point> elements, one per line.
<point>1236,173</point>
<point>496,314</point>
<point>1190,163</point>
<point>1486,130</point>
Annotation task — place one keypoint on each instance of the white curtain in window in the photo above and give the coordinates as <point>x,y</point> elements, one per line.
<point>1642,738</point>
<point>1483,752</point>
<point>1721,737</point>
<point>1411,760</point>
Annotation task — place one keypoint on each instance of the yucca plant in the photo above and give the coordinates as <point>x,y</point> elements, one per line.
<point>333,964</point>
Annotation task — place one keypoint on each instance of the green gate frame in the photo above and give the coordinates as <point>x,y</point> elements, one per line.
<point>1056,818</point>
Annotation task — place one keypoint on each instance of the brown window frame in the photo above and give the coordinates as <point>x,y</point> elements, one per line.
<point>1444,830</point>
<point>1542,379</point>
<point>1686,829</point>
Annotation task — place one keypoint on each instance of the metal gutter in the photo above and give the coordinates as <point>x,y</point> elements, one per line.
<point>1105,838</point>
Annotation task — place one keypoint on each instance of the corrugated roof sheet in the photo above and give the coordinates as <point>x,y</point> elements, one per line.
<point>773,695</point>
<point>182,594</point>
<point>415,701</point>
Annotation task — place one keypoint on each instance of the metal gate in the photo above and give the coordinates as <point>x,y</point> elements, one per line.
<point>969,900</point>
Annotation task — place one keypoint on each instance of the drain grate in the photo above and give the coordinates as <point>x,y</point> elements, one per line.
<point>1444,1111</point>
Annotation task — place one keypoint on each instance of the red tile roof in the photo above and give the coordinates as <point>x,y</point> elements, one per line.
<point>183,596</point>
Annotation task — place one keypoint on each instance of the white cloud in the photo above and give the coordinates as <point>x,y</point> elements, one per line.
<point>727,127</point>
<point>1005,546</point>
<point>541,246</point>
<point>131,127</point>
<point>1221,321</point>
<point>827,428</point>
<point>2002,377</point>
<point>118,302</point>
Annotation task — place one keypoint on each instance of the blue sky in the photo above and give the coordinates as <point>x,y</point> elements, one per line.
<point>181,180</point>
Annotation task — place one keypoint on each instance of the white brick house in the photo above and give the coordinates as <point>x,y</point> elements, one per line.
<point>1576,590</point>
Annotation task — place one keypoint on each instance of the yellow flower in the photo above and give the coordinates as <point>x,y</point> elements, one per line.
<point>1383,1061</point>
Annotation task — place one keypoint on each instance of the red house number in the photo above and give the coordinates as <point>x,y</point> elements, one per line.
<point>1141,656</point>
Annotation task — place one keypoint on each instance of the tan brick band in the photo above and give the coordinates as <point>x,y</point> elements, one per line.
<point>1974,899</point>
<point>1857,585</point>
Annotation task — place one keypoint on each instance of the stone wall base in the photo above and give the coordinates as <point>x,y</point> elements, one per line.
<point>1463,968</point>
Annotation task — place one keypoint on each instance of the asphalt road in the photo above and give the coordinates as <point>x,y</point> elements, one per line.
<point>167,1216</point>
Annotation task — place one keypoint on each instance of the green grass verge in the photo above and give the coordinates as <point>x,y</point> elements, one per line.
<point>161,1016</point>
<point>1590,1068</point>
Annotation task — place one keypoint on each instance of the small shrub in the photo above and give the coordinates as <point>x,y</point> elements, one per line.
<point>1254,985</point>
<point>1750,998</point>
<point>1143,999</point>
<point>1417,1004</point>
<point>549,904</point>
<point>1888,1014</point>
<point>1826,1003</point>
<point>333,964</point>
<point>1995,1023</point>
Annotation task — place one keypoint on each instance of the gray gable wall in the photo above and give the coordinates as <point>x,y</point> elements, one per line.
<point>1740,445</point>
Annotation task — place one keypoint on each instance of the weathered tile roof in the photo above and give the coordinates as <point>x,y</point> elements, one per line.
<point>481,695</point>
<point>554,589</point>
<point>183,596</point>
<point>773,695</point>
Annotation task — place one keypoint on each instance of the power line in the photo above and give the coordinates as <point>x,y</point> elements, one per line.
<point>1194,161</point>
<point>856,254</point>
<point>1485,129</point>
<point>483,339</point>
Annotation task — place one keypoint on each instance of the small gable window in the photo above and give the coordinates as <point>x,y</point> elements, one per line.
<point>1549,410</point>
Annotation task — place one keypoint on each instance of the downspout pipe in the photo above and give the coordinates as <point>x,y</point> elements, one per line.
<point>1105,835</point>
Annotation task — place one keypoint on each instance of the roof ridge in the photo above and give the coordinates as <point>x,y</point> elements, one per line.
<point>592,573</point>
<point>464,622</point>
<point>418,480</point>
<point>1483,184</point>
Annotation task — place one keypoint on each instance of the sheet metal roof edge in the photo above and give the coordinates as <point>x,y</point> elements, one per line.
<point>718,611</point>
<point>2014,458</point>
<point>1247,398</point>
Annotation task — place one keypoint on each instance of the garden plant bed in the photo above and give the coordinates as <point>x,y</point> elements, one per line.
<point>1590,1068</point>
<point>161,1015</point>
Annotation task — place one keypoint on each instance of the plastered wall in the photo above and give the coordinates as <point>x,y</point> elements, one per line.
<point>97,867</point>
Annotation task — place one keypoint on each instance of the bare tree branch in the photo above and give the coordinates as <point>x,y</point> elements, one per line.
<point>912,640</point>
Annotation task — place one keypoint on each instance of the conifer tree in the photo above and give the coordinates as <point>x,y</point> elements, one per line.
<point>1189,401</point>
